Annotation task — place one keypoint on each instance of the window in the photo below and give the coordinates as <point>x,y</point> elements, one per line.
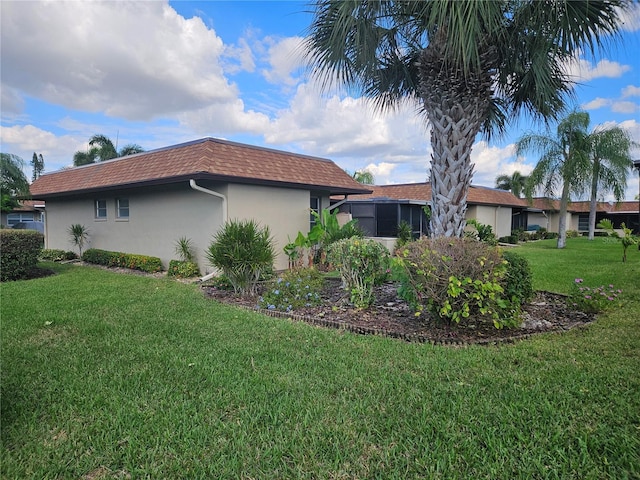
<point>315,207</point>
<point>122,207</point>
<point>101,209</point>
<point>583,222</point>
<point>14,218</point>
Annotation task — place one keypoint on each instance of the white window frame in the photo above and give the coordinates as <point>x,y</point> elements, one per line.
<point>121,209</point>
<point>14,218</point>
<point>98,209</point>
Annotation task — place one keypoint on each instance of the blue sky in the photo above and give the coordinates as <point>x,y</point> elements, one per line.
<point>159,73</point>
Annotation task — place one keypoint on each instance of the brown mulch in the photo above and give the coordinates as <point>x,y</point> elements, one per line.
<point>391,316</point>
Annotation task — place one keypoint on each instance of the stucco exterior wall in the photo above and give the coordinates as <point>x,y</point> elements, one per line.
<point>499,218</point>
<point>156,220</point>
<point>284,210</point>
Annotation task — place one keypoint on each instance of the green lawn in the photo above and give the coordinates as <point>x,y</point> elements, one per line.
<point>117,376</point>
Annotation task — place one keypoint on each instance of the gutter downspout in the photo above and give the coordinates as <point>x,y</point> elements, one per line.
<point>195,186</point>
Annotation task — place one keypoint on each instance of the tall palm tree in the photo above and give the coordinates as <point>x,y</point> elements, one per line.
<point>564,163</point>
<point>364,177</point>
<point>13,182</point>
<point>101,148</point>
<point>470,66</point>
<point>610,154</point>
<point>514,182</point>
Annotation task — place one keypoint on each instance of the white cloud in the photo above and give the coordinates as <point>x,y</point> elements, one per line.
<point>625,107</point>
<point>491,161</point>
<point>284,59</point>
<point>596,103</point>
<point>137,60</point>
<point>582,70</point>
<point>631,18</point>
<point>224,119</point>
<point>630,91</point>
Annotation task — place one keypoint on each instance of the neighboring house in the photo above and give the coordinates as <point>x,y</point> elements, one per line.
<point>144,203</point>
<point>30,214</point>
<point>548,215</point>
<point>380,212</point>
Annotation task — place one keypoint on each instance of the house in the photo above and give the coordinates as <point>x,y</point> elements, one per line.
<point>379,212</point>
<point>547,214</point>
<point>29,214</point>
<point>145,202</point>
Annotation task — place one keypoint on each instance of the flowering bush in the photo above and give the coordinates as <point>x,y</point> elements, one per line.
<point>593,299</point>
<point>294,289</point>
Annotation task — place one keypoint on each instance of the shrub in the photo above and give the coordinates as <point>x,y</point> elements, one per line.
<point>182,269</point>
<point>592,299</point>
<point>483,232</point>
<point>244,252</point>
<point>512,239</point>
<point>19,250</point>
<point>143,263</point>
<point>456,278</point>
<point>294,289</point>
<point>404,234</point>
<point>362,264</point>
<point>518,280</point>
<point>572,234</point>
<point>184,250</point>
<point>56,255</point>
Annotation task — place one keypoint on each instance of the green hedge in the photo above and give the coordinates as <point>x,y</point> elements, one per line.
<point>56,255</point>
<point>19,250</point>
<point>143,263</point>
<point>182,269</point>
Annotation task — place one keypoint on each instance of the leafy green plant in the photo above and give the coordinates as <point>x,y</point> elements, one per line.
<point>627,238</point>
<point>362,264</point>
<point>593,299</point>
<point>184,249</point>
<point>404,234</point>
<point>328,230</point>
<point>483,232</point>
<point>244,252</point>
<point>144,263</point>
<point>292,290</point>
<point>518,280</point>
<point>19,251</point>
<point>455,279</point>
<point>182,269</point>
<point>57,255</point>
<point>572,234</point>
<point>79,236</point>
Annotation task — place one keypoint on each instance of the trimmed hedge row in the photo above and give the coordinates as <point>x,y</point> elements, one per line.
<point>182,269</point>
<point>19,250</point>
<point>57,255</point>
<point>143,263</point>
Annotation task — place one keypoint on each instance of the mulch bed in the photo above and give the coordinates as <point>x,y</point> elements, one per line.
<point>391,316</point>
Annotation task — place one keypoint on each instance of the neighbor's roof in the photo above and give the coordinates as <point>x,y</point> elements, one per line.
<point>422,191</point>
<point>204,159</point>
<point>583,207</point>
<point>29,206</point>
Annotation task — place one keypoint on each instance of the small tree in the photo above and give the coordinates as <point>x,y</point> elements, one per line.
<point>627,239</point>
<point>79,236</point>
<point>184,249</point>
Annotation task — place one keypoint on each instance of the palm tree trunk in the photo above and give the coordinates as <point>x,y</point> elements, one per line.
<point>456,104</point>
<point>562,221</point>
<point>592,206</point>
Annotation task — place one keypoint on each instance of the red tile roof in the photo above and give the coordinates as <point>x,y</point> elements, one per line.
<point>207,158</point>
<point>583,207</point>
<point>422,192</point>
<point>29,206</point>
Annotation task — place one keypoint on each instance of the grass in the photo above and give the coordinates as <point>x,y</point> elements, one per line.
<point>117,376</point>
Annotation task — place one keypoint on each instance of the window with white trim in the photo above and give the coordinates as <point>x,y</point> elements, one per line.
<point>122,208</point>
<point>14,218</point>
<point>101,209</point>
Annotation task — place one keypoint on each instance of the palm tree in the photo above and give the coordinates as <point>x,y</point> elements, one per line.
<point>364,177</point>
<point>101,148</point>
<point>514,183</point>
<point>470,66</point>
<point>564,162</point>
<point>13,182</point>
<point>611,161</point>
